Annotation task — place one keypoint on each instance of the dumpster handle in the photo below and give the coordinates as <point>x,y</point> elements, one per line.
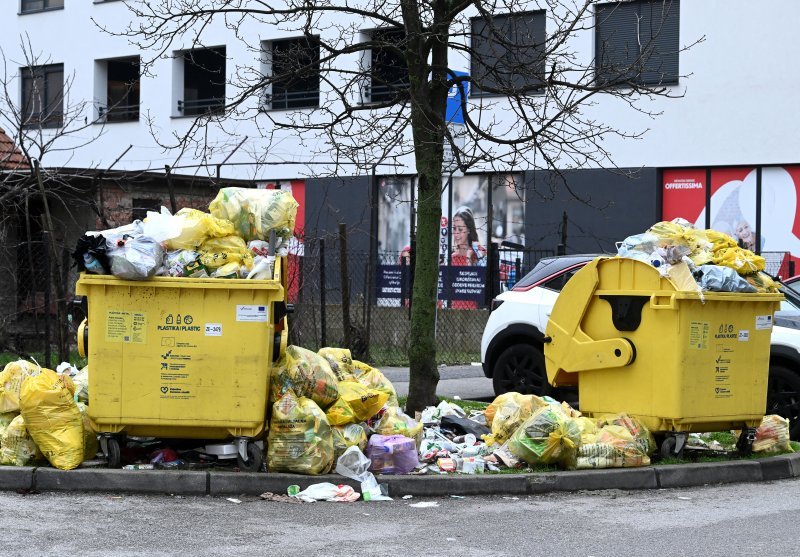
<point>655,298</point>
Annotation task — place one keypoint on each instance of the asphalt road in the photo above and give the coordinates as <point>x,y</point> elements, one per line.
<point>467,382</point>
<point>746,519</point>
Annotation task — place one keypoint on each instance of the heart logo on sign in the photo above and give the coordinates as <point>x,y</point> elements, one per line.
<point>164,390</point>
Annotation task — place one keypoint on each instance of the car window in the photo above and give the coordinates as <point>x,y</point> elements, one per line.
<point>557,283</point>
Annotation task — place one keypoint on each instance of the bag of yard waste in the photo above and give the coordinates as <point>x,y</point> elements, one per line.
<point>53,418</point>
<point>772,436</point>
<point>307,375</point>
<point>549,436</point>
<point>216,252</point>
<point>346,436</point>
<point>196,227</point>
<point>356,403</point>
<point>392,454</point>
<point>373,378</point>
<point>300,438</point>
<point>11,381</point>
<point>506,413</point>
<point>396,422</point>
<point>340,360</point>
<point>17,448</point>
<point>254,213</point>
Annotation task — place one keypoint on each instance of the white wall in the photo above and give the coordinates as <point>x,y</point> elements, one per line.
<point>738,106</point>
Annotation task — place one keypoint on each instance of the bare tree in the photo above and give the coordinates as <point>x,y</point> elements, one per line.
<point>40,119</point>
<point>383,70</point>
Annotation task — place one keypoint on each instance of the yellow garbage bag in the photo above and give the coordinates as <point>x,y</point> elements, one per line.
<point>196,227</point>
<point>588,429</point>
<point>640,434</point>
<point>309,375</point>
<point>772,435</point>
<point>396,422</point>
<point>506,413</point>
<point>81,381</point>
<point>356,403</point>
<point>5,419</point>
<point>346,436</point>
<point>254,213</point>
<point>11,381</point>
<point>90,442</point>
<point>216,252</point>
<point>17,448</point>
<point>52,418</point>
<point>374,379</point>
<point>300,438</point>
<point>763,282</point>
<point>614,447</point>
<point>741,260</point>
<point>340,360</point>
<point>549,436</point>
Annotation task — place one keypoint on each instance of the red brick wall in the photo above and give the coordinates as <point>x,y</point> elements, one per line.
<point>116,202</point>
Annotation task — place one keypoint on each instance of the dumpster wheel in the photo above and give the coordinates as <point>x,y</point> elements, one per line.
<point>254,459</point>
<point>673,445</point>
<point>114,453</point>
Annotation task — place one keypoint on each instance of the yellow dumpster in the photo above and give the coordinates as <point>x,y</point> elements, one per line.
<point>182,358</point>
<point>679,361</point>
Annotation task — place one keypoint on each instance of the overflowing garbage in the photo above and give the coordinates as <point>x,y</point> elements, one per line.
<point>231,241</point>
<point>700,260</point>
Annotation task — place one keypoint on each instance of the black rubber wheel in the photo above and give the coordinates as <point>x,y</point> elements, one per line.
<point>254,459</point>
<point>668,447</point>
<point>783,397</point>
<point>745,442</point>
<point>520,368</point>
<point>114,453</point>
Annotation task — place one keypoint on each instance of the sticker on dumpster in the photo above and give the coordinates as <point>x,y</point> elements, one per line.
<point>126,326</point>
<point>213,329</point>
<point>744,336</point>
<point>175,392</point>
<point>763,322</point>
<point>698,335</point>
<point>251,314</point>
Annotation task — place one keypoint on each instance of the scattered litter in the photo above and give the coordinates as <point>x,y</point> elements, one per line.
<point>456,397</point>
<point>233,500</point>
<point>279,498</point>
<point>685,498</point>
<point>450,539</point>
<point>457,497</point>
<point>424,505</point>
<point>326,491</point>
<point>512,498</point>
<point>408,496</point>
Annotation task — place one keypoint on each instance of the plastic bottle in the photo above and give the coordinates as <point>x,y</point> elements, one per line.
<point>92,264</point>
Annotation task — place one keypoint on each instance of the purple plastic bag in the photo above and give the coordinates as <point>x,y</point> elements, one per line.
<point>392,454</point>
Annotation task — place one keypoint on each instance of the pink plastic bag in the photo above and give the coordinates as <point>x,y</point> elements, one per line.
<point>392,454</point>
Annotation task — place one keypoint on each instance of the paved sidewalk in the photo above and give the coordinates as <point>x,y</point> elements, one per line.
<point>467,382</point>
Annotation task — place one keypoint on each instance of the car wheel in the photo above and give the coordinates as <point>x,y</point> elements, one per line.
<point>783,397</point>
<point>520,368</point>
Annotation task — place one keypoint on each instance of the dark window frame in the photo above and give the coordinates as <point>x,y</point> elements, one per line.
<point>387,62</point>
<point>53,118</point>
<point>294,93</point>
<point>140,206</point>
<point>538,19</point>
<point>215,104</point>
<point>46,6</point>
<point>122,106</point>
<point>660,66</point>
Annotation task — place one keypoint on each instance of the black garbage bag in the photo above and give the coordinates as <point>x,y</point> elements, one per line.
<point>91,255</point>
<point>463,426</point>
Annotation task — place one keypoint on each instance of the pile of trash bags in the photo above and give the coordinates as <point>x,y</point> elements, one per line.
<point>43,416</point>
<point>698,260</point>
<point>232,241</point>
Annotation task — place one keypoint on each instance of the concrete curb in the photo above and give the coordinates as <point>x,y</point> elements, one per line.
<point>180,482</point>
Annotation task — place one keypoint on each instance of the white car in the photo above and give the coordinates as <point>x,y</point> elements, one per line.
<point>512,344</point>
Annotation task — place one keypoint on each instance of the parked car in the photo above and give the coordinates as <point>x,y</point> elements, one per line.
<point>512,351</point>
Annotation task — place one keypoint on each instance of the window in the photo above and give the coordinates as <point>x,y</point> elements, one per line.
<point>508,53</point>
<point>141,206</point>
<point>295,69</point>
<point>388,69</point>
<point>557,283</point>
<point>637,42</point>
<point>29,6</point>
<point>203,82</point>
<point>122,90</point>
<point>43,95</point>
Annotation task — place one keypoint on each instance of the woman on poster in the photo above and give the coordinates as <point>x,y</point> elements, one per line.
<point>466,248</point>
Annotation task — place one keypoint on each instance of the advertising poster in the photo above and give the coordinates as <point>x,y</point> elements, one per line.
<point>684,194</point>
<point>780,218</point>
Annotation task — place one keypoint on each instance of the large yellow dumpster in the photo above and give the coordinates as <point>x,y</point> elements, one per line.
<point>679,361</point>
<point>182,358</point>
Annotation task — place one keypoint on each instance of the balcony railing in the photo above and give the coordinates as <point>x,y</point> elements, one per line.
<point>383,93</point>
<point>199,107</point>
<point>119,113</point>
<point>291,99</point>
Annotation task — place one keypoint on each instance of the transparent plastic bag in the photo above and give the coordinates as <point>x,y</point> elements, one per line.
<point>255,213</point>
<point>549,436</point>
<point>507,412</point>
<point>137,258</point>
<point>17,447</point>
